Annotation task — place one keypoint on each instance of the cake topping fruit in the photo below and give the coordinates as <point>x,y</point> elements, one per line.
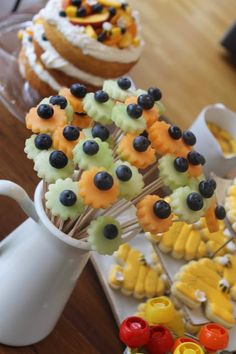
<point>146,101</point>
<point>81,12</point>
<point>62,13</point>
<point>43,141</point>
<point>155,93</point>
<point>58,159</point>
<point>103,181</point>
<point>59,101</point>
<point>76,2</point>
<point>189,138</point>
<point>110,231</point>
<point>124,83</point>
<point>112,11</point>
<point>71,133</point>
<point>78,90</point>
<point>100,131</point>
<point>206,189</point>
<point>90,147</point>
<point>162,209</point>
<point>220,212</point>
<point>97,8</point>
<point>68,198</point>
<point>134,111</point>
<point>140,143</point>
<point>123,173</point>
<point>101,96</point>
<point>181,164</point>
<point>175,132</point>
<point>195,201</point>
<point>45,111</point>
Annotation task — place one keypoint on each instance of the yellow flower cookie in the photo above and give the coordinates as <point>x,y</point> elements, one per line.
<point>134,276</point>
<point>228,271</point>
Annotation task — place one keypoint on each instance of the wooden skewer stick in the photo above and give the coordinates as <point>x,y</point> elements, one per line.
<point>131,235</point>
<point>150,171</point>
<point>129,222</point>
<point>222,246</point>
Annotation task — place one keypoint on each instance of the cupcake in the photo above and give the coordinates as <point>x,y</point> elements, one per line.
<point>84,41</point>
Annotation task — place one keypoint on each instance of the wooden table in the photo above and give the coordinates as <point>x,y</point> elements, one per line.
<point>184,59</point>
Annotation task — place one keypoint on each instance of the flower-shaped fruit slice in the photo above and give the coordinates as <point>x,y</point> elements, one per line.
<point>187,205</point>
<point>136,150</point>
<point>62,102</point>
<point>118,90</point>
<point>51,165</point>
<point>130,180</point>
<point>36,143</point>
<point>45,118</point>
<point>98,188</point>
<point>65,139</point>
<point>90,153</point>
<point>98,106</point>
<point>150,115</point>
<point>104,235</point>
<point>173,171</point>
<point>63,199</point>
<point>154,214</point>
<point>165,138</point>
<point>129,118</point>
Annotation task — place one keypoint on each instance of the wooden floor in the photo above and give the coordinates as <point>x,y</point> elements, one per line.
<point>183,57</point>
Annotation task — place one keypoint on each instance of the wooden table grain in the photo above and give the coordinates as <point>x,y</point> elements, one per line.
<point>183,57</point>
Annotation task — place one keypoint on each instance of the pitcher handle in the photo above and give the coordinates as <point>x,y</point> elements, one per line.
<point>17,193</point>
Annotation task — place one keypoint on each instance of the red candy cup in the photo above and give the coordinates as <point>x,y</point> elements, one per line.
<point>161,340</point>
<point>134,332</point>
<point>213,337</point>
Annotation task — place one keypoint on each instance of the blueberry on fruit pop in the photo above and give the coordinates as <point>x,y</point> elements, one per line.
<point>110,231</point>
<point>100,131</point>
<point>43,141</point>
<point>206,189</point>
<point>220,212</point>
<point>181,164</point>
<point>101,96</point>
<point>123,173</point>
<point>195,201</point>
<point>58,159</point>
<point>155,93</point>
<point>59,101</point>
<point>124,83</point>
<point>195,158</point>
<point>134,111</point>
<point>140,143</point>
<point>71,133</point>
<point>175,132</point>
<point>189,138</point>
<point>103,181</point>
<point>78,90</point>
<point>45,111</point>
<point>212,182</point>
<point>68,198</point>
<point>146,101</point>
<point>90,147</point>
<point>162,209</point>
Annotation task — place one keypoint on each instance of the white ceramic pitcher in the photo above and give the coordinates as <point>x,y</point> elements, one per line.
<point>39,267</point>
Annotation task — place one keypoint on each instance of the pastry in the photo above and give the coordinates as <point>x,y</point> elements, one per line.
<point>134,276</point>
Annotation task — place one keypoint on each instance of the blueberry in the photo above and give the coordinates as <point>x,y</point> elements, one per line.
<point>195,201</point>
<point>43,141</point>
<point>103,181</point>
<point>58,101</point>
<point>123,30</point>
<point>140,143</point>
<point>58,159</point>
<point>67,197</point>
<point>146,101</point>
<point>100,131</point>
<point>76,2</point>
<point>123,173</point>
<point>155,93</point>
<point>71,133</point>
<point>181,164</point>
<point>144,133</point>
<point>97,8</point>
<point>206,189</point>
<point>213,183</point>
<point>189,138</point>
<point>62,13</point>
<point>44,38</point>
<point>30,38</point>
<point>101,96</point>
<point>45,111</point>
<point>81,12</point>
<point>203,160</point>
<point>175,132</point>
<point>102,37</point>
<point>220,212</point>
<point>162,209</point>
<point>110,231</point>
<point>134,111</point>
<point>112,11</point>
<point>90,147</point>
<point>78,90</point>
<point>124,83</point>
<point>195,158</point>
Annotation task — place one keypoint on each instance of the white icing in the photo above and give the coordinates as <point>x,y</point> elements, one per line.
<point>89,46</point>
<point>37,68</point>
<point>52,60</point>
<point>200,296</point>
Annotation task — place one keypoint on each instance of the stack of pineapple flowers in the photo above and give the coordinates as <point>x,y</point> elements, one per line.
<point>102,157</point>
